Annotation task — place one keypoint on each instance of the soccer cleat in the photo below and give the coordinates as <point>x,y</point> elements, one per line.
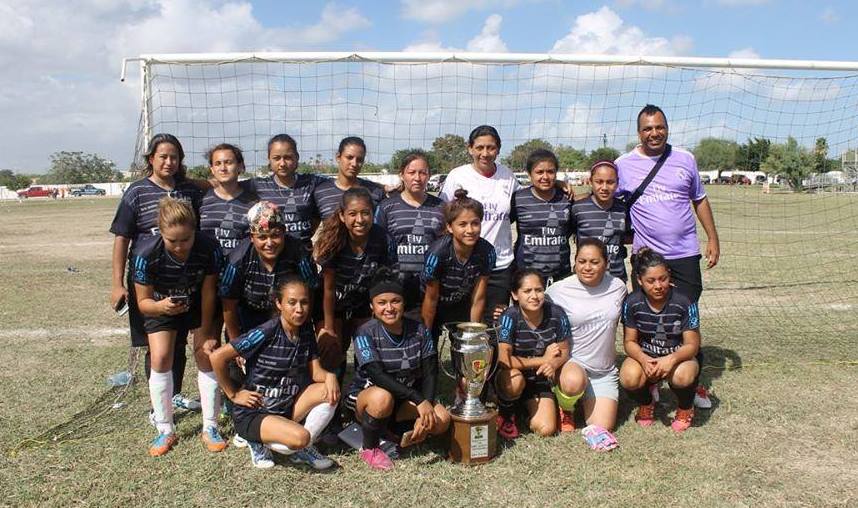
<point>701,398</point>
<point>311,457</point>
<point>239,442</point>
<point>213,440</point>
<point>260,455</point>
<point>389,448</point>
<point>645,415</point>
<point>182,402</point>
<point>567,422</point>
<point>163,444</point>
<point>507,427</point>
<point>376,459</point>
<point>682,419</point>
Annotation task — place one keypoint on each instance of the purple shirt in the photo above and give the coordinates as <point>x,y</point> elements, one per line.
<point>662,217</point>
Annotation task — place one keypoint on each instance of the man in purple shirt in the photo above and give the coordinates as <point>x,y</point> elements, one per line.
<point>662,218</point>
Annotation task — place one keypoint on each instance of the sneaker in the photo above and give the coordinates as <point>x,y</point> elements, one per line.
<point>182,402</point>
<point>701,398</point>
<point>653,391</point>
<point>645,415</point>
<point>311,457</point>
<point>239,442</point>
<point>376,459</point>
<point>682,419</point>
<point>507,427</point>
<point>260,455</point>
<point>163,444</point>
<point>213,440</point>
<point>389,448</point>
<point>567,422</point>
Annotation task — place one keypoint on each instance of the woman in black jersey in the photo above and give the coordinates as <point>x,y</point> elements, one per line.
<point>285,383</point>
<point>533,345</point>
<point>175,280</point>
<point>349,249</point>
<point>541,216</point>
<point>457,267</point>
<point>351,154</point>
<point>223,212</point>
<point>137,218</point>
<point>396,373</point>
<point>661,339</point>
<point>414,219</point>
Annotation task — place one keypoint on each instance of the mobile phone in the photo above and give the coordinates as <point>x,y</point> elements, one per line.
<point>179,299</point>
<point>121,307</point>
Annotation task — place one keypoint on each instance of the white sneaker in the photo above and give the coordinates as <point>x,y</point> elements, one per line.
<point>239,442</point>
<point>311,457</point>
<point>701,398</point>
<point>182,402</point>
<point>260,455</point>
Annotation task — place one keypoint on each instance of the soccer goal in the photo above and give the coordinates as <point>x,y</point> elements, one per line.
<point>772,138</point>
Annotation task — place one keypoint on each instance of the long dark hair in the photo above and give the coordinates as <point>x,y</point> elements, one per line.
<point>333,234</point>
<point>157,139</point>
<point>647,258</point>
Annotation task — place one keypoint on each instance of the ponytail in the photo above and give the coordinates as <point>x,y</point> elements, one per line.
<point>460,203</point>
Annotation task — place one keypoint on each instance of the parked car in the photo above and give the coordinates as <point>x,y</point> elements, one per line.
<point>88,190</point>
<point>35,191</point>
<point>523,178</point>
<point>705,179</point>
<point>435,183</point>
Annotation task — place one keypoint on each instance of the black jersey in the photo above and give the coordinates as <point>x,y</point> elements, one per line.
<point>412,228</point>
<point>137,214</point>
<point>277,365</point>
<point>245,278</point>
<point>527,342</point>
<point>660,333</point>
<point>400,355</point>
<point>226,219</point>
<point>328,196</point>
<point>152,265</point>
<point>297,202</point>
<point>353,272</point>
<point>543,231</point>
<point>457,279</point>
<point>590,220</point>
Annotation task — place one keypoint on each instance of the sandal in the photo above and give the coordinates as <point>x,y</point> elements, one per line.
<point>599,439</point>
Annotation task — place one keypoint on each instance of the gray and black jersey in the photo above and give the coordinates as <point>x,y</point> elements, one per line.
<point>530,342</point>
<point>225,220</point>
<point>412,228</point>
<point>297,202</point>
<point>660,333</point>
<point>277,366</point>
<point>328,196</point>
<point>456,278</point>
<point>400,356</point>
<point>543,231</point>
<point>589,220</point>
<point>137,213</point>
<point>152,265</point>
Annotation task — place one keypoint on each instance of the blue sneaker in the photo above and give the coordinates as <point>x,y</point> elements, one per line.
<point>239,442</point>
<point>311,457</point>
<point>213,440</point>
<point>260,455</point>
<point>163,444</point>
<point>182,402</point>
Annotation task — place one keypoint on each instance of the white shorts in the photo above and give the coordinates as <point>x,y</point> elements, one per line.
<point>601,384</point>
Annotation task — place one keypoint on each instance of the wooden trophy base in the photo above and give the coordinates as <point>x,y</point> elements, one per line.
<point>473,440</point>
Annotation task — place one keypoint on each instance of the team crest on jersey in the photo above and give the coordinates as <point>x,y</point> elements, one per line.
<point>676,326</point>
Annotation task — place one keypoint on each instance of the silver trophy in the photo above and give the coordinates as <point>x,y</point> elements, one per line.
<point>473,354</point>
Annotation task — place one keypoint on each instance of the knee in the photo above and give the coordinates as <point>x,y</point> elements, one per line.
<point>379,402</point>
<point>631,375</point>
<point>573,379</point>
<point>684,375</point>
<point>301,438</point>
<point>544,428</point>
<point>510,383</point>
<point>442,422</point>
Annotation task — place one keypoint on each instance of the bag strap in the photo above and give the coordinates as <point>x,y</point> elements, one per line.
<point>646,181</point>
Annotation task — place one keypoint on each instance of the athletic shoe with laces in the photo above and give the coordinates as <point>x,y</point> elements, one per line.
<point>260,455</point>
<point>389,448</point>
<point>311,457</point>
<point>567,422</point>
<point>645,415</point>
<point>701,398</point>
<point>213,440</point>
<point>163,444</point>
<point>376,459</point>
<point>182,402</point>
<point>682,419</point>
<point>239,442</point>
<point>507,427</point>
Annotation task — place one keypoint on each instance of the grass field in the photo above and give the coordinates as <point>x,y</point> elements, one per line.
<point>779,328</point>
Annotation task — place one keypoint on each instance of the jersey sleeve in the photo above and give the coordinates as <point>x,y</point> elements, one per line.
<point>564,331</point>
<point>513,212</point>
<point>432,268</point>
<point>215,260</point>
<point>449,188</point>
<point>508,324</point>
<point>391,254</point>
<point>307,270</point>
<point>628,315</point>
<point>365,351</point>
<point>691,317</point>
<point>312,345</point>
<point>125,220</point>
<point>248,344</point>
<point>142,271</point>
<point>489,258</point>
<point>428,349</point>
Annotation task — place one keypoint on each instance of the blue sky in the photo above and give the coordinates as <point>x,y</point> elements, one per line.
<point>60,88</point>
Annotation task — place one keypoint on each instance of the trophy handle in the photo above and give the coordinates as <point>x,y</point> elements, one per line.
<point>442,339</point>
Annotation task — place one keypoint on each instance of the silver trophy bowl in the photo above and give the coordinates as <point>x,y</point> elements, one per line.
<point>472,351</point>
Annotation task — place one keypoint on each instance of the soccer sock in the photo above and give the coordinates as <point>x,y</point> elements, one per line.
<point>506,407</point>
<point>372,428</point>
<point>209,398</point>
<point>642,395</point>
<point>684,396</point>
<point>160,392</point>
<point>180,358</point>
<point>282,449</point>
<point>318,418</point>
<point>566,402</point>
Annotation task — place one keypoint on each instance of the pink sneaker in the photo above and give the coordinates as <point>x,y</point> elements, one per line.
<point>682,420</point>
<point>376,459</point>
<point>507,427</point>
<point>645,415</point>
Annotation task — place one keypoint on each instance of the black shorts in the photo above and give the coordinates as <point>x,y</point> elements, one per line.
<point>685,275</point>
<point>137,321</point>
<point>180,323</point>
<point>497,292</point>
<point>248,424</point>
<point>350,401</point>
<point>537,387</point>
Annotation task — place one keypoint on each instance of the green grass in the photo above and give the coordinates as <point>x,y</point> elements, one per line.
<point>779,326</point>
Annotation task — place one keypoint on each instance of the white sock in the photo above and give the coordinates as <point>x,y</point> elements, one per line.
<point>209,398</point>
<point>282,449</point>
<point>161,394</point>
<point>318,418</point>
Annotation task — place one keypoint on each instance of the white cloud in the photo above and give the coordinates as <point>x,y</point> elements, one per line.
<point>440,11</point>
<point>604,32</point>
<point>829,15</point>
<point>487,41</point>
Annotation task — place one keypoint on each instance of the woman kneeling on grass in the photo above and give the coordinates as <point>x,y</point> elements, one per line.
<point>175,279</point>
<point>592,300</point>
<point>534,344</point>
<point>285,383</point>
<point>661,340</point>
<point>396,373</point>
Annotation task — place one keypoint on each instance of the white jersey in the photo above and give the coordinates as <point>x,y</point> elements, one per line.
<point>593,313</point>
<point>495,194</point>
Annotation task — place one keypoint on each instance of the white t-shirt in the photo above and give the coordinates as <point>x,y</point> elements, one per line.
<point>593,313</point>
<point>495,194</point>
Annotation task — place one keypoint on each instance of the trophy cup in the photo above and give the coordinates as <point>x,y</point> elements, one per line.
<point>474,429</point>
